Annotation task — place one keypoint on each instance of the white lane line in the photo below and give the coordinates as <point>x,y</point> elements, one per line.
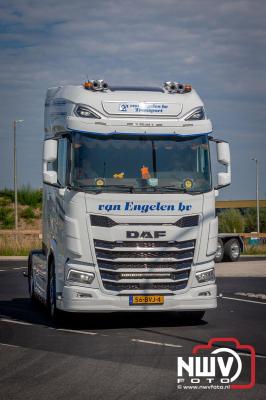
<point>156,343</point>
<point>247,301</point>
<point>79,332</point>
<point>11,269</point>
<point>248,355</point>
<point>9,345</point>
<point>13,321</point>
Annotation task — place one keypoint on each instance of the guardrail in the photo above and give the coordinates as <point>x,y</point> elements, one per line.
<point>239,203</point>
<point>19,231</point>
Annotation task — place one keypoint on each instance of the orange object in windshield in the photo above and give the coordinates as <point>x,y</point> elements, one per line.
<point>145,173</point>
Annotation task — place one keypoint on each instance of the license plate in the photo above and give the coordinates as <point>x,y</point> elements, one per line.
<point>139,300</point>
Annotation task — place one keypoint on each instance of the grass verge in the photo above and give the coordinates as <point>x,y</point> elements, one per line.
<point>19,245</point>
<point>259,249</point>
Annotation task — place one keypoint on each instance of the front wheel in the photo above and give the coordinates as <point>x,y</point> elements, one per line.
<point>51,293</point>
<point>31,279</point>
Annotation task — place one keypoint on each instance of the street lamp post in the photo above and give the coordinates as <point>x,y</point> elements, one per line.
<point>15,170</point>
<point>257,194</point>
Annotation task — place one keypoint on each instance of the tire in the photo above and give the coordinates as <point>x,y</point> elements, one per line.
<point>51,293</point>
<point>220,251</point>
<point>232,250</point>
<point>30,279</point>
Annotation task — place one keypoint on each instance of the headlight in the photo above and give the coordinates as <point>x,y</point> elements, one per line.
<point>84,112</point>
<point>205,276</point>
<point>197,115</point>
<point>80,277</point>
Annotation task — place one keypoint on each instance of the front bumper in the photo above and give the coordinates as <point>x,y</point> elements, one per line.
<point>81,299</point>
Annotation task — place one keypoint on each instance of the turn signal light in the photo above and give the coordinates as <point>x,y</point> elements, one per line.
<point>96,85</point>
<point>87,85</point>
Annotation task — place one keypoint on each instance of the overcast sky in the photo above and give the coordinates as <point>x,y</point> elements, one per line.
<point>217,46</point>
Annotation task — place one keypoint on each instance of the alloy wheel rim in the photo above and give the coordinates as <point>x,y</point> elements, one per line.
<point>235,250</point>
<point>219,251</point>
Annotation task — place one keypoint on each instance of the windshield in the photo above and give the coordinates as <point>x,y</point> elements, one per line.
<point>140,163</point>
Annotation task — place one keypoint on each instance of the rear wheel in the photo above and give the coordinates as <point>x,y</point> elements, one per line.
<point>220,251</point>
<point>232,250</point>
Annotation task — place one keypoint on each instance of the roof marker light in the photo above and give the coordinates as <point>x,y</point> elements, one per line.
<point>96,85</point>
<point>87,85</point>
<point>175,87</point>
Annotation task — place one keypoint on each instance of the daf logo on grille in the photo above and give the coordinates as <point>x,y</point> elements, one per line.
<point>145,234</point>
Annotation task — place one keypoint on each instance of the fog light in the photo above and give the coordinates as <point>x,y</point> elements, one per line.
<point>83,295</point>
<point>205,276</point>
<point>204,293</point>
<point>80,277</point>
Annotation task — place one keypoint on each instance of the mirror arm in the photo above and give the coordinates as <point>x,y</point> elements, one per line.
<point>212,139</point>
<point>221,186</point>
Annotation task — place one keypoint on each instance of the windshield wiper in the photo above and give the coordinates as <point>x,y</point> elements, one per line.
<point>129,187</point>
<point>132,189</point>
<point>100,189</point>
<point>173,188</point>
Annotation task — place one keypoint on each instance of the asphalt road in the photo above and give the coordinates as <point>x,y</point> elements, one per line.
<point>119,356</point>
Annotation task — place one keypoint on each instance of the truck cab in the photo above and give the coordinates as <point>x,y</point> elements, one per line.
<point>129,218</point>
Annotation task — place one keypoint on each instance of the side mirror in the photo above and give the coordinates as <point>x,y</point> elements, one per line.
<point>223,157</point>
<point>223,153</point>
<point>224,179</point>
<point>49,156</point>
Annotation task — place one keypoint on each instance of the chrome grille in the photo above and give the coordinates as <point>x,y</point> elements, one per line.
<point>172,266</point>
<point>112,255</point>
<point>150,265</point>
<point>120,287</point>
<point>104,244</point>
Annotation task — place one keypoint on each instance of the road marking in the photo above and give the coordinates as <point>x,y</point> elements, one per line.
<point>79,332</point>
<point>261,296</point>
<point>11,269</point>
<point>9,345</point>
<point>247,301</point>
<point>156,343</point>
<point>13,321</point>
<point>248,355</point>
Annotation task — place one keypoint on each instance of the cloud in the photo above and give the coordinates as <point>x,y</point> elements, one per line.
<point>216,46</point>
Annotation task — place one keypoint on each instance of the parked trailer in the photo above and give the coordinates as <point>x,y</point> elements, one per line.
<point>229,247</point>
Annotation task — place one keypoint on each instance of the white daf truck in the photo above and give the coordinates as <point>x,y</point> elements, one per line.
<point>129,218</point>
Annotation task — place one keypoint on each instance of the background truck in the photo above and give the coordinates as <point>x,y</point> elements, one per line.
<point>129,218</point>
